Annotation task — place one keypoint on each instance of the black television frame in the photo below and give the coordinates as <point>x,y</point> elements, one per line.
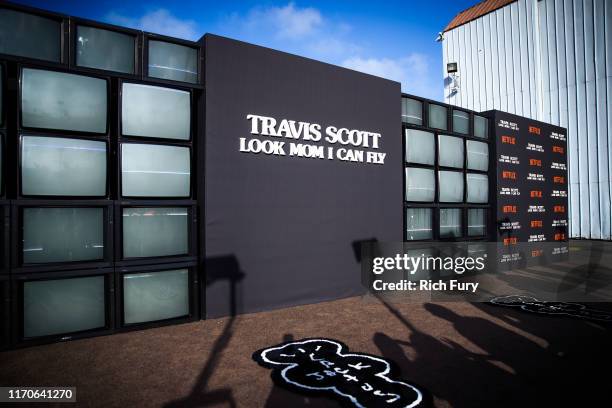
<point>158,37</point>
<point>17,264</point>
<point>77,21</point>
<point>194,301</point>
<point>436,205</point>
<point>5,238</point>
<point>109,166</point>
<point>63,19</point>
<point>155,142</point>
<point>5,312</point>
<point>192,114</point>
<point>17,335</point>
<point>3,94</point>
<point>192,231</point>
<point>65,70</point>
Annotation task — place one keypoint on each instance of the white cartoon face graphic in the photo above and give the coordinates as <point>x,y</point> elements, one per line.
<point>531,304</point>
<point>323,365</point>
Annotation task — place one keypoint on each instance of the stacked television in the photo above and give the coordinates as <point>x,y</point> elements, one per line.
<point>98,194</point>
<point>447,172</point>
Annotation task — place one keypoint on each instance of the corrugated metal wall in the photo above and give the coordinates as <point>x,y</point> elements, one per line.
<point>550,60</point>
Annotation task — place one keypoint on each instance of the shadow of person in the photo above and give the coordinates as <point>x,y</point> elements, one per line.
<point>217,269</point>
<point>447,370</point>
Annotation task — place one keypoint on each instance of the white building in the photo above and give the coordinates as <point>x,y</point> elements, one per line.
<point>549,60</point>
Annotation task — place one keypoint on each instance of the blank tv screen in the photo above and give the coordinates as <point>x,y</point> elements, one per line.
<point>481,127</point>
<point>420,184</point>
<point>476,222</point>
<point>173,61</point>
<point>153,296</point>
<point>418,223</point>
<point>63,306</point>
<point>153,111</point>
<point>62,234</point>
<point>451,186</point>
<point>461,121</point>
<point>31,36</point>
<point>477,188</point>
<point>450,223</point>
<point>450,151</point>
<point>412,111</point>
<point>420,147</point>
<point>477,155</point>
<point>155,231</point>
<point>62,167</point>
<point>105,49</point>
<point>155,170</point>
<point>437,117</point>
<point>57,100</point>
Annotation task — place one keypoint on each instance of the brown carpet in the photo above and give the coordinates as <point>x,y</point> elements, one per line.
<point>462,354</point>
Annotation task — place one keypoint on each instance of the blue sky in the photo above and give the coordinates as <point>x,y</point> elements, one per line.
<point>392,39</point>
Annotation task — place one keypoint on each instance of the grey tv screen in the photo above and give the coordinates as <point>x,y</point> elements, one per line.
<point>149,170</point>
<point>155,231</point>
<point>31,36</point>
<point>57,234</point>
<point>153,296</point>
<point>56,166</point>
<point>173,61</point>
<point>105,49</point>
<point>62,101</point>
<point>60,306</point>
<point>154,111</point>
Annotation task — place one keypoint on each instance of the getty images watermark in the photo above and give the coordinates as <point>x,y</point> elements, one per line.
<point>426,265</point>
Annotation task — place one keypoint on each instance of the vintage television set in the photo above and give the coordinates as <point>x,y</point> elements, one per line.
<point>54,100</point>
<point>446,172</point>
<point>155,170</point>
<point>61,235</point>
<point>103,47</point>
<point>56,166</point>
<point>32,34</point>
<point>156,295</point>
<point>155,112</point>
<point>62,305</point>
<point>154,232</point>
<point>171,60</point>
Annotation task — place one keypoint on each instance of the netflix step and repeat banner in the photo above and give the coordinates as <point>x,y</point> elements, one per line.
<point>303,161</point>
<point>532,204</point>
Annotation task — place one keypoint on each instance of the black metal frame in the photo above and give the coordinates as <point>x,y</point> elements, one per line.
<point>158,37</point>
<point>64,70</point>
<point>17,264</point>
<point>64,30</point>
<point>48,197</point>
<point>18,281</point>
<point>5,238</point>
<point>192,232</point>
<point>158,142</point>
<point>3,93</point>
<point>5,312</point>
<point>136,34</point>
<point>193,295</point>
<point>436,205</point>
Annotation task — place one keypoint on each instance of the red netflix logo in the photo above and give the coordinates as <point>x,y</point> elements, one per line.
<point>559,208</point>
<point>508,140</point>
<point>511,175</point>
<point>535,162</point>
<point>536,224</point>
<point>535,194</point>
<point>558,149</point>
<point>510,241</point>
<point>507,209</point>
<point>559,179</point>
<point>535,130</point>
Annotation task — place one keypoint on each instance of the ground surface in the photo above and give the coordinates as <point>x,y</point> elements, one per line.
<point>463,354</point>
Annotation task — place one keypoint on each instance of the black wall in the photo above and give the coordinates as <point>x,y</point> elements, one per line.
<point>280,230</point>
